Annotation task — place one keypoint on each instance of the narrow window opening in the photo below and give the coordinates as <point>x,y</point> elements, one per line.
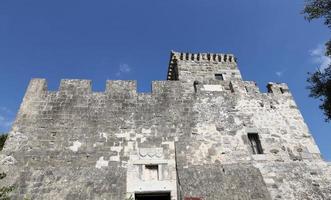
<point>255,143</point>
<point>231,87</point>
<point>219,77</point>
<point>195,85</point>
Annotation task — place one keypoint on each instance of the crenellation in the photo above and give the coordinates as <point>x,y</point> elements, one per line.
<point>278,88</point>
<point>203,57</point>
<point>251,87</point>
<point>237,87</point>
<point>37,89</point>
<point>204,132</point>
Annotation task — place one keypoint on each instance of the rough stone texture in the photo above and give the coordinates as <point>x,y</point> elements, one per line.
<point>233,182</point>
<point>192,128</point>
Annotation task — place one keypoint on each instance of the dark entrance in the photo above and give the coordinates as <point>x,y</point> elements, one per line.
<point>153,196</point>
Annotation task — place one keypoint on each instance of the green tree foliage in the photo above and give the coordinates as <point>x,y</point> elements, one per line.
<point>320,81</point>
<point>320,87</point>
<point>2,140</point>
<point>316,9</point>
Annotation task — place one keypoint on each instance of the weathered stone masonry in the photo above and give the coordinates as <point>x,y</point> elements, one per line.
<point>203,133</point>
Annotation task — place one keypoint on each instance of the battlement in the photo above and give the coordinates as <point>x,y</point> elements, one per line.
<point>203,57</point>
<point>277,88</point>
<point>38,87</point>
<point>201,130</point>
<point>187,67</point>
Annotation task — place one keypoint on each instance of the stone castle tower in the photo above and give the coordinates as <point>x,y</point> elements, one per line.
<point>204,133</point>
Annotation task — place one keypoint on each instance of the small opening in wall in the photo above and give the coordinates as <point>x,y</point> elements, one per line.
<point>152,167</point>
<point>153,196</point>
<point>220,58</point>
<point>195,85</point>
<point>214,57</point>
<point>219,77</point>
<point>231,87</point>
<point>255,143</point>
<point>152,172</point>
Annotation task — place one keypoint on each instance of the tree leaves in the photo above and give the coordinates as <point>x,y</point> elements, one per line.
<point>318,9</point>
<point>320,81</point>
<point>320,88</point>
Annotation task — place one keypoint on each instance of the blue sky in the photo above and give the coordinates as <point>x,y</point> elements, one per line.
<point>128,39</point>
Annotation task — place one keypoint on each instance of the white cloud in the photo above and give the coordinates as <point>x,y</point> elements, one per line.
<point>318,56</point>
<point>280,73</point>
<point>6,118</point>
<point>5,110</point>
<point>123,69</point>
<point>4,122</point>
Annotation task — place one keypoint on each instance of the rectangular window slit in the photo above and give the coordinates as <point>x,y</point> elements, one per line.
<point>219,77</point>
<point>255,143</point>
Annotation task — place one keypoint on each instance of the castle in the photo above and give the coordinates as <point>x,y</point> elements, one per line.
<point>203,134</point>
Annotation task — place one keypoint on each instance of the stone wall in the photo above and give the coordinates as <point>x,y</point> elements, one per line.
<point>78,144</point>
<point>229,181</point>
